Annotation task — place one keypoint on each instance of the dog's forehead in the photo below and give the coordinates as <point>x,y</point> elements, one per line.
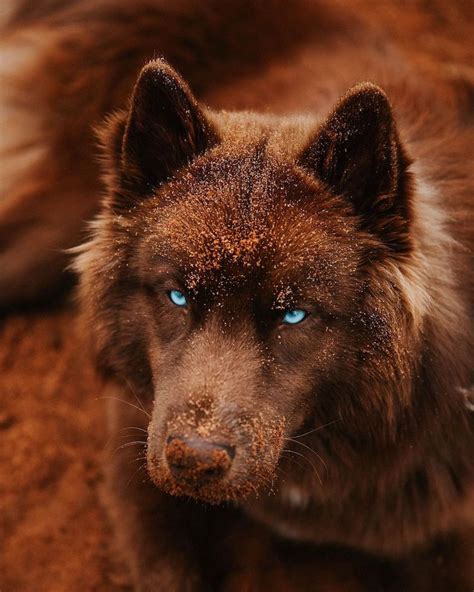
<point>252,222</point>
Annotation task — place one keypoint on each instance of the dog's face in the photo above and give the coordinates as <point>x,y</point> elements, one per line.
<point>244,285</point>
<point>233,294</point>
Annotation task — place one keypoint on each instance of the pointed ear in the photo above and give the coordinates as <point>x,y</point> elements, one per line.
<point>357,153</point>
<point>165,129</point>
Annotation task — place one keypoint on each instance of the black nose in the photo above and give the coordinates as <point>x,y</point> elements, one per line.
<point>198,461</point>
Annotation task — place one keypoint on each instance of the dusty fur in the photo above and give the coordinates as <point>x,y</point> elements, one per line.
<point>335,181</point>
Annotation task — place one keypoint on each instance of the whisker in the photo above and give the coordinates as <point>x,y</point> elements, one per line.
<point>141,467</point>
<point>132,390</point>
<point>309,461</point>
<point>127,445</point>
<point>120,436</point>
<point>318,428</point>
<point>141,457</point>
<point>302,467</point>
<point>320,458</point>
<point>134,443</point>
<point>133,428</point>
<point>127,403</point>
<point>117,436</point>
<point>137,458</point>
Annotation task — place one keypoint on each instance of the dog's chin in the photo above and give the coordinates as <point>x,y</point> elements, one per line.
<point>228,490</point>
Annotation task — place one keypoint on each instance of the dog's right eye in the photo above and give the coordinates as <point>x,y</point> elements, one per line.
<point>178,298</point>
<point>294,317</point>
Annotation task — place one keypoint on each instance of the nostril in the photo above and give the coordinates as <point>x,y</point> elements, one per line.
<point>213,471</point>
<point>197,460</point>
<point>230,450</point>
<point>177,465</point>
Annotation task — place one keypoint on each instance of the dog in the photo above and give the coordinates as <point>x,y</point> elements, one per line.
<point>278,287</point>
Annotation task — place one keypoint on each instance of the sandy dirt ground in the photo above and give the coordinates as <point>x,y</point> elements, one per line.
<point>54,535</point>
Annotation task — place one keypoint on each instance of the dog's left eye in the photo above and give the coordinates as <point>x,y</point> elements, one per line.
<point>178,298</point>
<point>293,317</point>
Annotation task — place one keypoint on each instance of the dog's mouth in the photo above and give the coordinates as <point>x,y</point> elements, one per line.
<point>218,468</point>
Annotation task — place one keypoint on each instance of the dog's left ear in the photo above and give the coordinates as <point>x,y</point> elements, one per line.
<point>357,153</point>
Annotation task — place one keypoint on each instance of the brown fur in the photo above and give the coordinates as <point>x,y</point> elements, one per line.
<point>359,211</point>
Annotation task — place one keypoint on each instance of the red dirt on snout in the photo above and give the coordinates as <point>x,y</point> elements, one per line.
<point>196,463</point>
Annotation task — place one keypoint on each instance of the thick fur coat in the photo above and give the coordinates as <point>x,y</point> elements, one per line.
<point>316,171</point>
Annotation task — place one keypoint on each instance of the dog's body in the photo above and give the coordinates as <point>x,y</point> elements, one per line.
<point>351,428</point>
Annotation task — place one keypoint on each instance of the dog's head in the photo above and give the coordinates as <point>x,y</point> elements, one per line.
<point>238,278</point>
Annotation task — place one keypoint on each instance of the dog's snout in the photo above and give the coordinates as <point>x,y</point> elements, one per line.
<point>197,460</point>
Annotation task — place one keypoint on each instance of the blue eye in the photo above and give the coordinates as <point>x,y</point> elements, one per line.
<point>178,298</point>
<point>293,317</point>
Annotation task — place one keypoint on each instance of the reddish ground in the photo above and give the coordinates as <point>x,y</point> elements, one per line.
<point>54,536</point>
<point>53,533</point>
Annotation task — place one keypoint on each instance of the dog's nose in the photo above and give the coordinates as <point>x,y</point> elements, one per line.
<point>196,460</point>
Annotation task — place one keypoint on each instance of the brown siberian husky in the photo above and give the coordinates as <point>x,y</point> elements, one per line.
<point>283,280</point>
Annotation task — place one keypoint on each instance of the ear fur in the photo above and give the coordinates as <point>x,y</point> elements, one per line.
<point>165,129</point>
<point>357,153</point>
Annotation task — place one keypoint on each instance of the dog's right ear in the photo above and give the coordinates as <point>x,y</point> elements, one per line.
<point>165,129</point>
